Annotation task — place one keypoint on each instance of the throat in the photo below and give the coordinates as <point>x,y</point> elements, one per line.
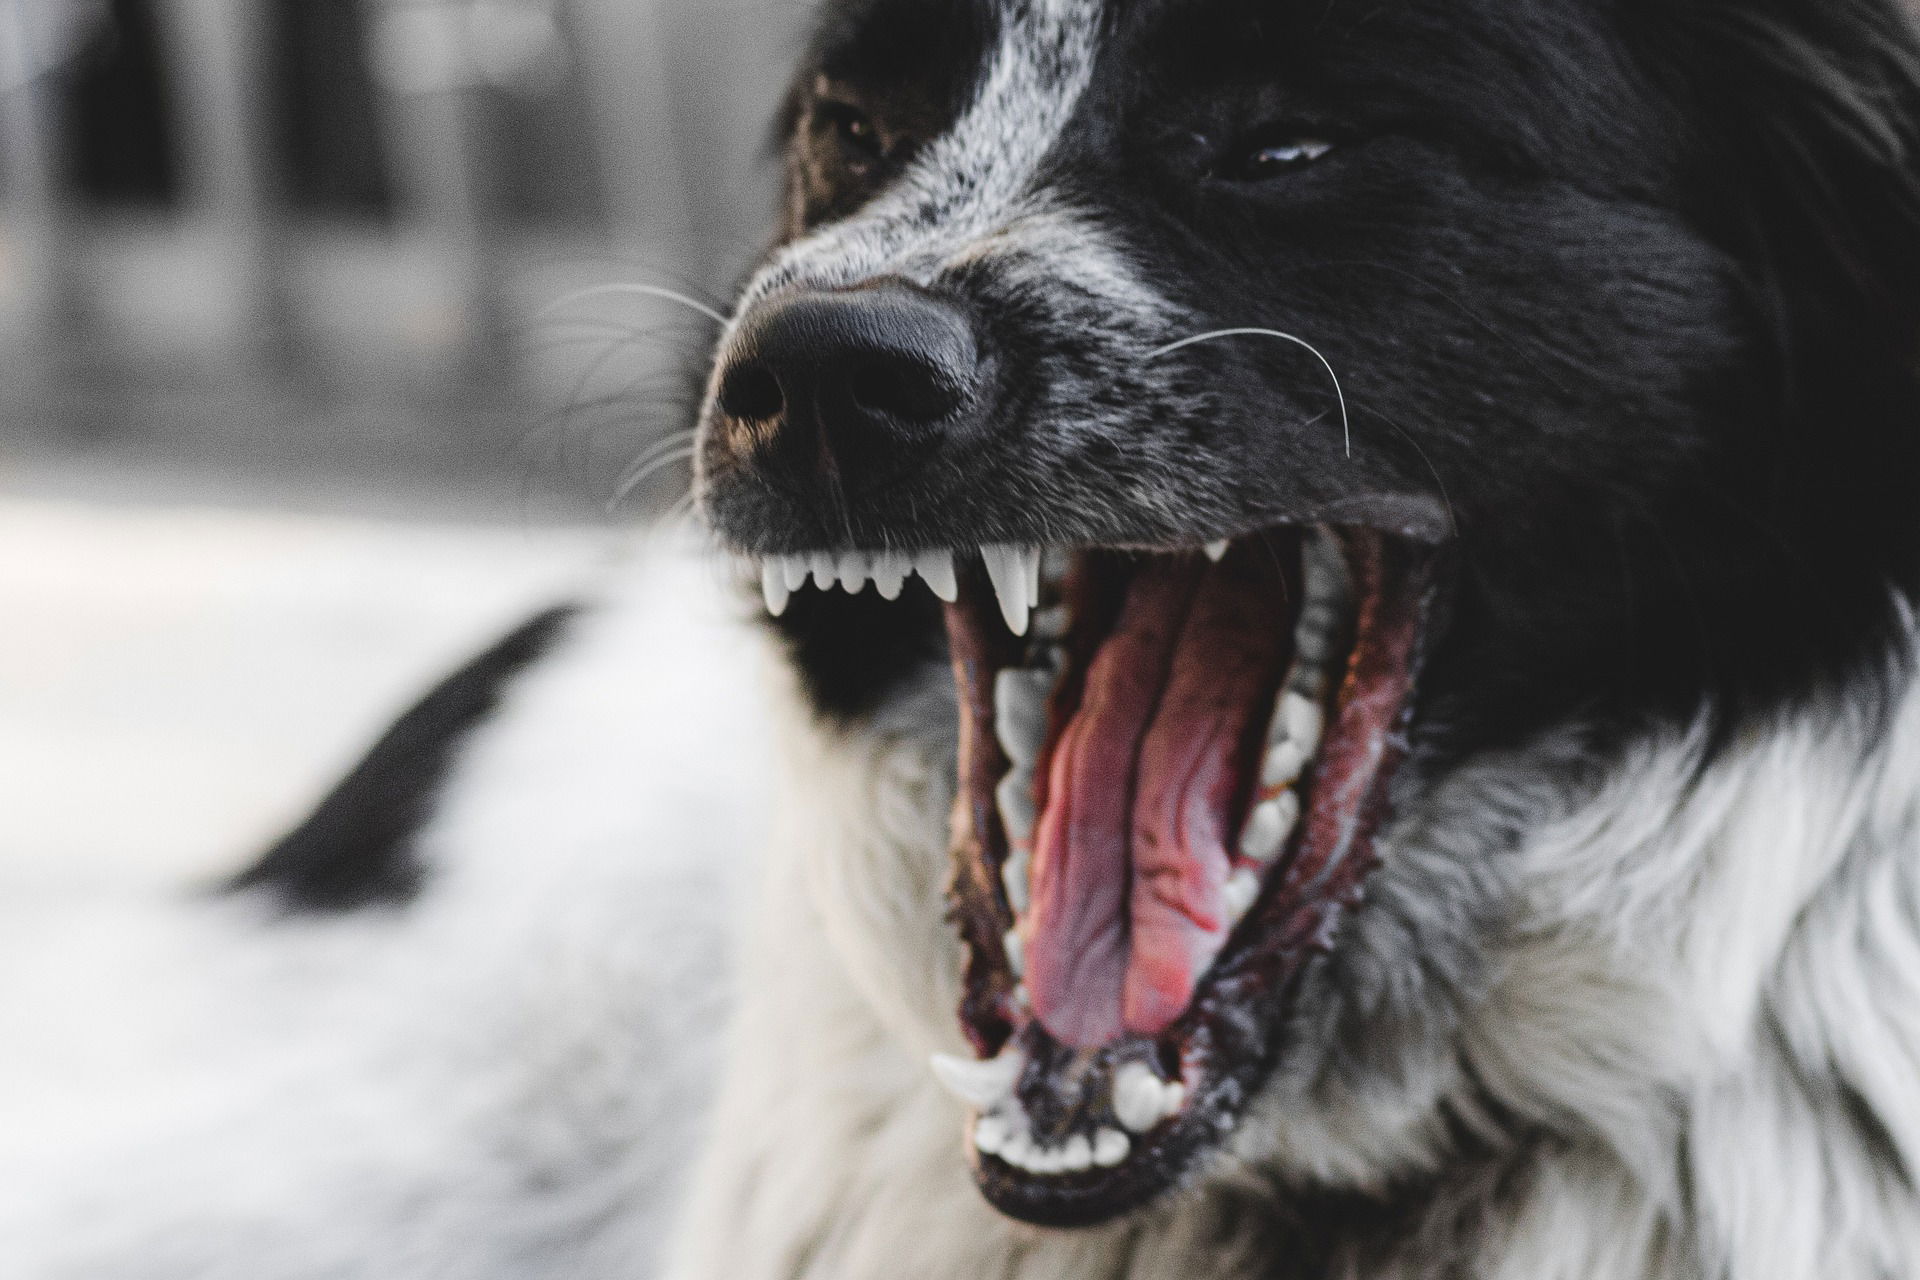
<point>1142,792</point>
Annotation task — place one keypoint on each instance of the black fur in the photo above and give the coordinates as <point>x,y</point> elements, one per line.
<point>1631,288</point>
<point>356,849</point>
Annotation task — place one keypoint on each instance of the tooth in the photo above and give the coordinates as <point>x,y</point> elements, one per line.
<point>1017,1150</point>
<point>1077,1155</point>
<point>1325,567</point>
<point>1172,1095</point>
<point>1302,721</point>
<point>1021,996</point>
<point>773,586</point>
<point>1016,953</point>
<point>854,567</point>
<point>1110,1148</point>
<point>984,1085</point>
<point>1309,678</point>
<point>1015,573</point>
<point>794,570</point>
<point>1217,551</point>
<point>1285,759</point>
<point>1138,1097</point>
<point>890,570</point>
<point>826,570</point>
<point>1050,624</point>
<point>1242,887</point>
<point>1268,827</point>
<point>936,568</point>
<point>990,1135</point>
<point>1055,564</point>
<point>1020,711</point>
<point>1014,795</point>
<point>1015,876</point>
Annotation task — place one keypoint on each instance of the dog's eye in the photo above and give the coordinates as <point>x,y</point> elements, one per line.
<point>854,131</point>
<point>1273,155</point>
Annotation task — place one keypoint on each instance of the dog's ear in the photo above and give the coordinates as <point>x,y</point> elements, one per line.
<point>1809,140</point>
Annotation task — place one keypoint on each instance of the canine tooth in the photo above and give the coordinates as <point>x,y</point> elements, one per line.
<point>890,570</point>
<point>984,1085</point>
<point>773,586</point>
<point>826,570</point>
<point>1242,887</point>
<point>936,569</point>
<point>855,568</point>
<point>1015,573</point>
<point>1111,1148</point>
<point>1138,1097</point>
<point>794,569</point>
<point>1077,1155</point>
<point>990,1134</point>
<point>1021,996</point>
<point>1302,720</point>
<point>1268,827</point>
<point>1016,953</point>
<point>1015,875</point>
<point>1020,711</point>
<point>1217,551</point>
<point>1014,795</point>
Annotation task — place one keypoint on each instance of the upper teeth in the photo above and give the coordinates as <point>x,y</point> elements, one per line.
<point>1015,572</point>
<point>781,576</point>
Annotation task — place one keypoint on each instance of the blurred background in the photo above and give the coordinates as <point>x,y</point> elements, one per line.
<point>318,363</point>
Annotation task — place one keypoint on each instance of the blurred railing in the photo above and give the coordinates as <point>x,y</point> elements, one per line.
<point>330,234</point>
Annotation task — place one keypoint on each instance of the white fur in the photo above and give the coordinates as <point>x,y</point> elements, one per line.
<point>502,1080</point>
<point>508,1078</point>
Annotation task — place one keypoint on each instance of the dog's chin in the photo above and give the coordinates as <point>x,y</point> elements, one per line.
<point>1172,769</point>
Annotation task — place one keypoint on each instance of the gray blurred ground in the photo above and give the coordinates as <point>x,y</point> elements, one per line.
<point>310,377</point>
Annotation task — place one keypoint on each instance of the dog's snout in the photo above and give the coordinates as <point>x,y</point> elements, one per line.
<point>854,385</point>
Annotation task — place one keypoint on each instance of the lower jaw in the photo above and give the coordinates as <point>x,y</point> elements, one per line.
<point>1083,1110</point>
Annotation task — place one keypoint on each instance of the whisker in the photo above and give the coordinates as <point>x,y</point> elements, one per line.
<point>674,441</point>
<point>639,475</point>
<point>1346,422</point>
<point>640,290</point>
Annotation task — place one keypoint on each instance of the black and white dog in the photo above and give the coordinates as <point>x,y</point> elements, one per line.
<point>1341,574</point>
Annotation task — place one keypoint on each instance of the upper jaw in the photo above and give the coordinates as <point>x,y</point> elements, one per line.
<point>1013,557</point>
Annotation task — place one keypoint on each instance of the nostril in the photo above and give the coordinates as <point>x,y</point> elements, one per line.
<point>903,389</point>
<point>750,392</point>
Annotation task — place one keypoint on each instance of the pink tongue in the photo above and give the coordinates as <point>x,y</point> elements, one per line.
<point>1130,856</point>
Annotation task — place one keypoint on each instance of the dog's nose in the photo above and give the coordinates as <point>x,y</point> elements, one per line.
<point>853,387</point>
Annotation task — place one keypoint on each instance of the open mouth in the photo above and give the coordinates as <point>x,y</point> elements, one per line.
<point>1172,767</point>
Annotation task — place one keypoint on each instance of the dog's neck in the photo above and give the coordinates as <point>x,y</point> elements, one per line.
<point>1672,1045</point>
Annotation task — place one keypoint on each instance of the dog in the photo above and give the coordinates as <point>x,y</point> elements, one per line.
<point>1338,584</point>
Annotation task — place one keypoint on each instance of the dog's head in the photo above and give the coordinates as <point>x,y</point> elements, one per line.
<point>1290,399</point>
